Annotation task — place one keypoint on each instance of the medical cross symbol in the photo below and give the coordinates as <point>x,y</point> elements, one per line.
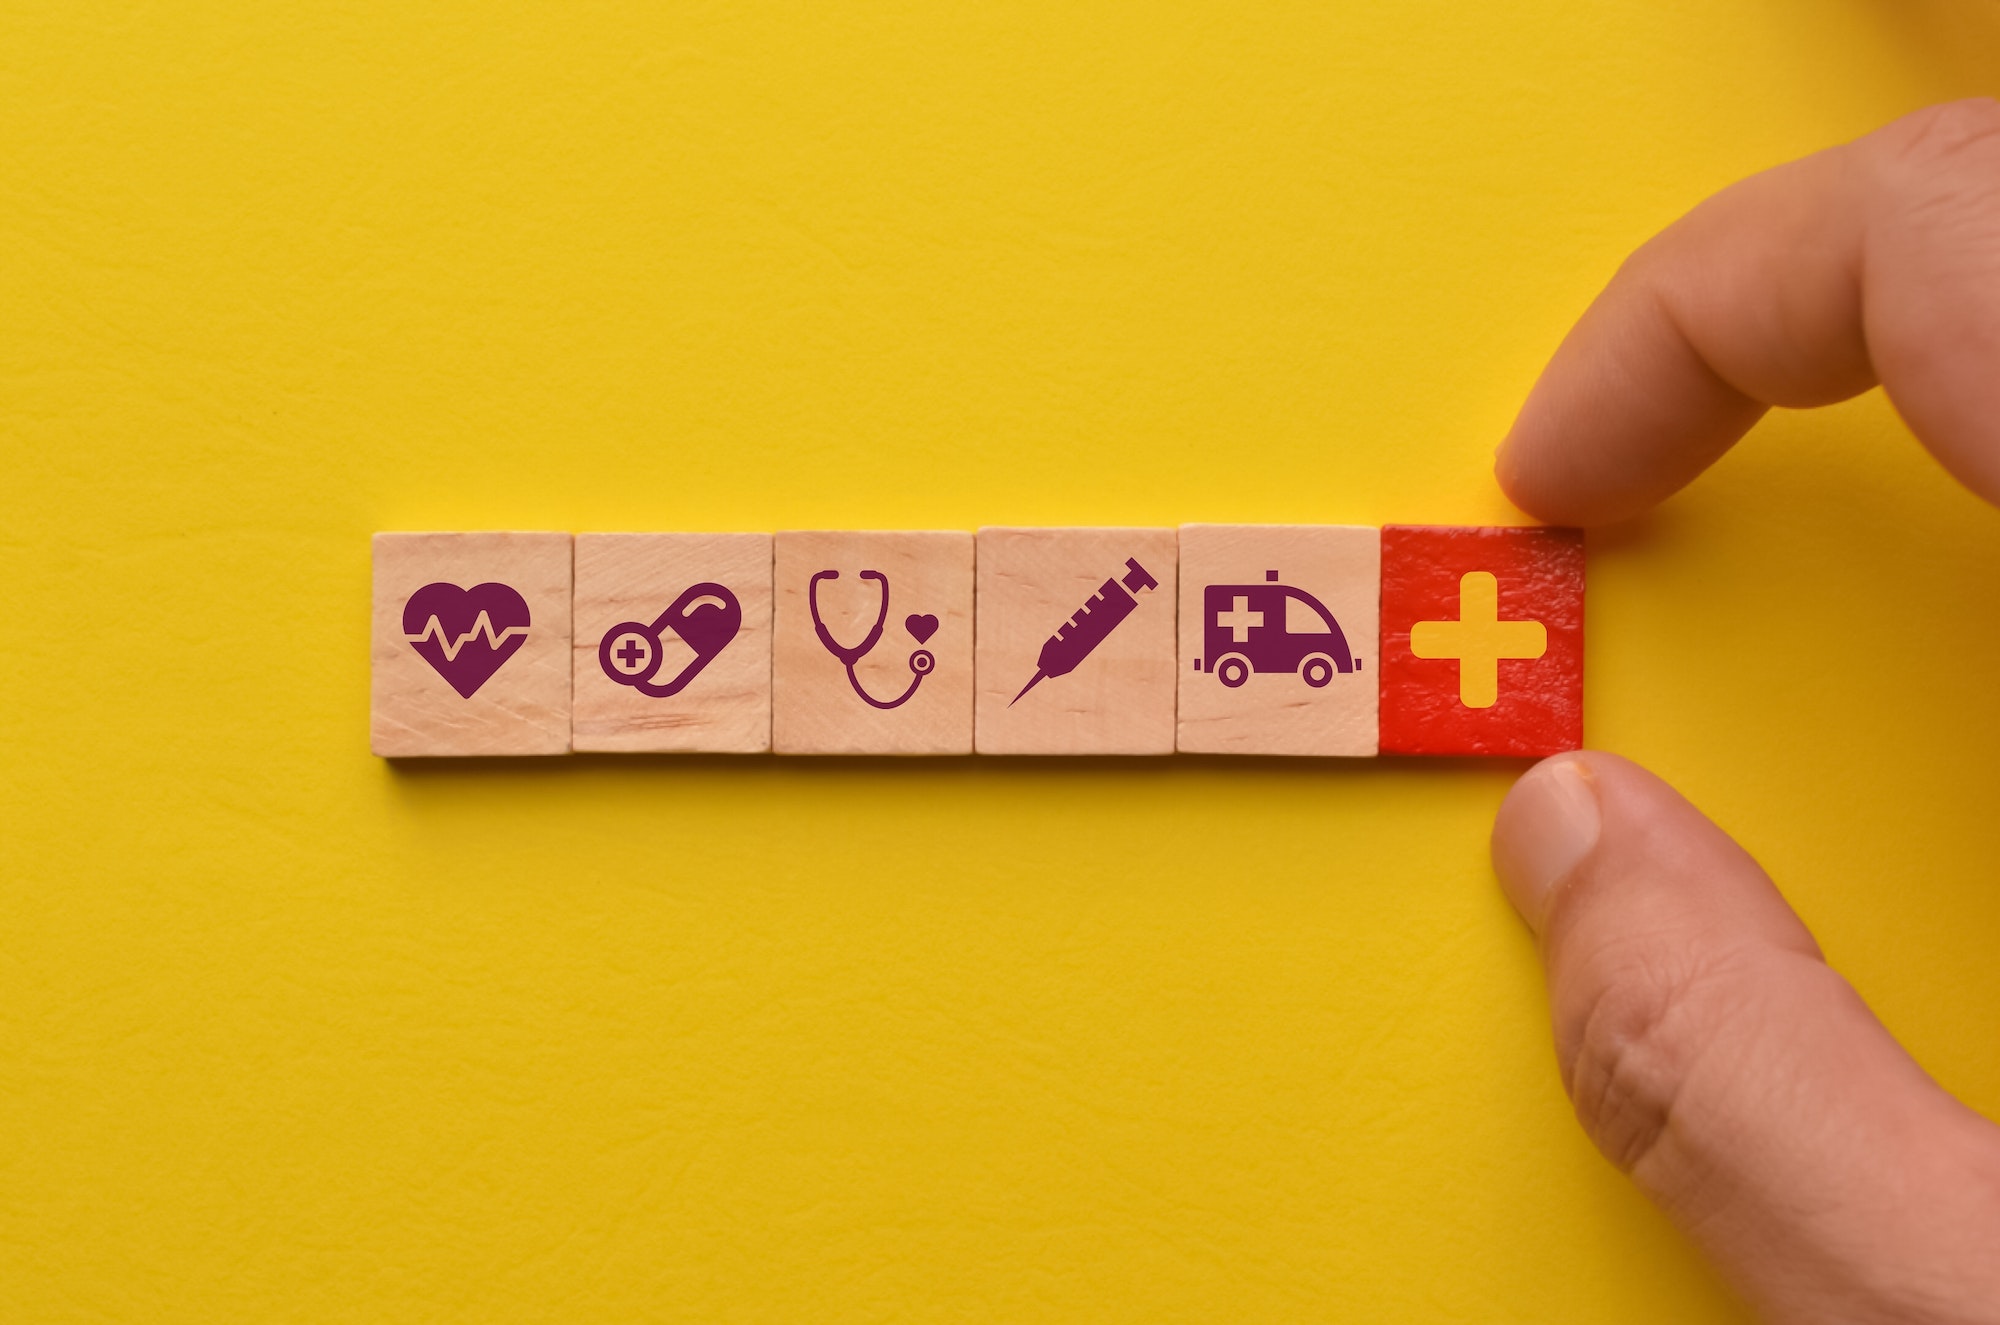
<point>630,654</point>
<point>1238,619</point>
<point>1479,639</point>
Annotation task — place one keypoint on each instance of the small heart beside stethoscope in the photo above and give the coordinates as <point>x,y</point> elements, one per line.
<point>921,627</point>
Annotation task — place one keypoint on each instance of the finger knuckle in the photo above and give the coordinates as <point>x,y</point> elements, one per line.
<point>1942,151</point>
<point>1931,184</point>
<point>1945,132</point>
<point>1631,1047</point>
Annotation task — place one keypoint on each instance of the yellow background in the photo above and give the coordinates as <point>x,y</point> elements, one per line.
<point>286,1033</point>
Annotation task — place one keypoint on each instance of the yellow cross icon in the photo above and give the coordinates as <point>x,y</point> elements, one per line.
<point>1479,639</point>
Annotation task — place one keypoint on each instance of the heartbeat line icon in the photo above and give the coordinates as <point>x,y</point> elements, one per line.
<point>499,617</point>
<point>434,630</point>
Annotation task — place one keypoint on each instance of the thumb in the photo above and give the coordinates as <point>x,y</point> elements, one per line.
<point>1712,1054</point>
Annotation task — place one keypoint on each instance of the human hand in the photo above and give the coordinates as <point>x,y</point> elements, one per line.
<point>1709,1050</point>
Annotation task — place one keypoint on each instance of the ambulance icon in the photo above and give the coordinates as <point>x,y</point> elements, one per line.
<point>1270,627</point>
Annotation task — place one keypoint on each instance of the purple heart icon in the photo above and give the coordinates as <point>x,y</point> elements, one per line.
<point>466,633</point>
<point>921,628</point>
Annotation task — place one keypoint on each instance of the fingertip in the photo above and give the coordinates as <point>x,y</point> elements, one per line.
<point>1546,827</point>
<point>1564,461</point>
<point>1507,470</point>
<point>1527,462</point>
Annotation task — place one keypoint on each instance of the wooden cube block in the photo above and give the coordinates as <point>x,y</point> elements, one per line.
<point>1278,625</point>
<point>470,654</point>
<point>872,651</point>
<point>1076,641</point>
<point>1482,641</point>
<point>673,643</point>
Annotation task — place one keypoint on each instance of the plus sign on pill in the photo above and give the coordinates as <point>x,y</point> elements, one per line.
<point>1482,641</point>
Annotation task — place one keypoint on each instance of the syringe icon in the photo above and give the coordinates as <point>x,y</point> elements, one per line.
<point>1095,620</point>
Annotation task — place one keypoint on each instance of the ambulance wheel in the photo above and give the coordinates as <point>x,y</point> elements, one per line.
<point>1233,671</point>
<point>1317,670</point>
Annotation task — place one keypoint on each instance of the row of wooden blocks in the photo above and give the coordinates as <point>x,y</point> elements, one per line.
<point>1221,639</point>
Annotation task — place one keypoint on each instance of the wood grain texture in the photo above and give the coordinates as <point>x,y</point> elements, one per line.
<point>1119,700</point>
<point>1226,573</point>
<point>636,578</point>
<point>522,708</point>
<point>816,706</point>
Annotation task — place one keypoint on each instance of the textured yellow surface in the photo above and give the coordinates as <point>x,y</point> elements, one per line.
<point>286,1033</point>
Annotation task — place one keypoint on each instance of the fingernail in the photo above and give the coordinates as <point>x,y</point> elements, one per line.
<point>1547,825</point>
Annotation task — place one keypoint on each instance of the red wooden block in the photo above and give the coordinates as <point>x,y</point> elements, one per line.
<point>1482,640</point>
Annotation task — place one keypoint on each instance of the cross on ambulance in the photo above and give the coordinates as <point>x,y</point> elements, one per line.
<point>1270,627</point>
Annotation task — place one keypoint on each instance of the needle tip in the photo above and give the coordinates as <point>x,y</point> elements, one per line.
<point>1026,688</point>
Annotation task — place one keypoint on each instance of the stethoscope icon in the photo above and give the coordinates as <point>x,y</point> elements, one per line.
<point>921,662</point>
